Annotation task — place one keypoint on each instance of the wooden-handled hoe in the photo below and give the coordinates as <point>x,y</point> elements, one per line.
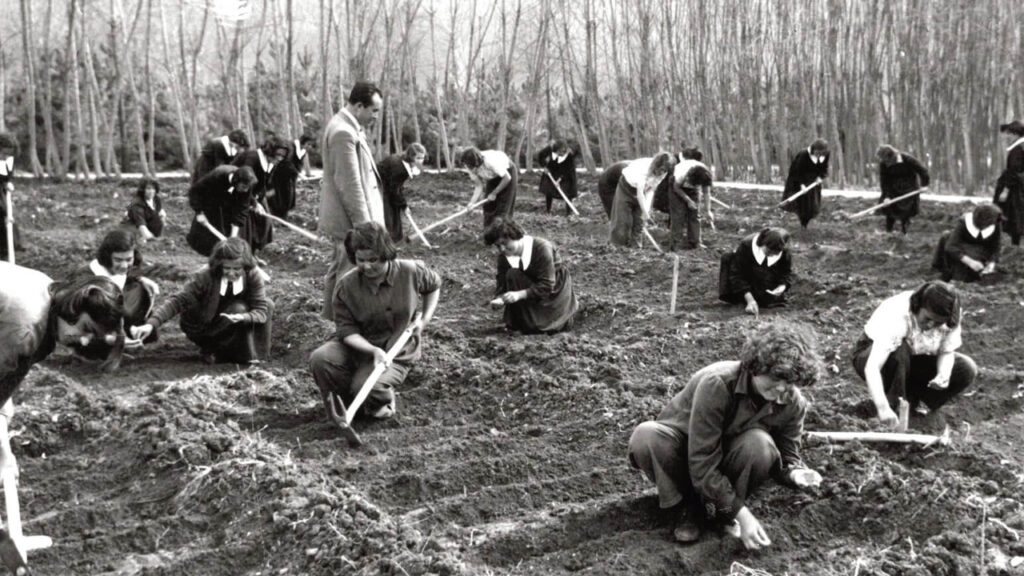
<point>15,546</point>
<point>335,407</point>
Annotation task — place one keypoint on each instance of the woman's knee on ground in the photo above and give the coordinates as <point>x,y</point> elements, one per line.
<point>755,448</point>
<point>651,441</point>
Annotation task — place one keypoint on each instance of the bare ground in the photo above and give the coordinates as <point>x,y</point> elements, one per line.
<point>508,452</point>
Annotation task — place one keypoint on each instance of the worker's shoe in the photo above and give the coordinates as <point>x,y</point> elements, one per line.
<point>686,530</point>
<point>384,412</point>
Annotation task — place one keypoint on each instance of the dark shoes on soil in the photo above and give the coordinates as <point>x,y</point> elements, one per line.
<point>686,531</point>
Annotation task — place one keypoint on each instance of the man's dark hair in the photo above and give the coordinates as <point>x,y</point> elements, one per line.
<point>363,93</point>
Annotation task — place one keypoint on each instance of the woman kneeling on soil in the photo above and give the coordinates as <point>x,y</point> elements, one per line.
<point>224,308</point>
<point>534,285</point>
<point>908,351</point>
<point>118,259</point>
<point>971,250</point>
<point>373,304</point>
<point>734,425</point>
<point>758,273</point>
<point>37,313</point>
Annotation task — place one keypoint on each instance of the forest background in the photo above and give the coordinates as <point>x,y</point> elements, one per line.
<point>118,86</point>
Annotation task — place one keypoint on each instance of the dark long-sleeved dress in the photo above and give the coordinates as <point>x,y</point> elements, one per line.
<point>200,304</point>
<point>607,183</point>
<point>1011,182</point>
<point>802,171</point>
<point>550,302</point>
<point>213,154</point>
<point>563,172</point>
<point>282,182</point>
<point>258,230</point>
<point>740,273</point>
<point>393,176</point>
<point>141,214</point>
<point>962,241</point>
<point>215,196</point>
<point>896,180</point>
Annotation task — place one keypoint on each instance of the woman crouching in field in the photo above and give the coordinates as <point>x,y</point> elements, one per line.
<point>146,212</point>
<point>224,308</point>
<point>908,350</point>
<point>758,273</point>
<point>118,258</point>
<point>971,250</point>
<point>534,285</point>
<point>373,305</point>
<point>37,313</point>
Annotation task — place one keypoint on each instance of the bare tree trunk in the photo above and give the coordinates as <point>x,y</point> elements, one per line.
<point>28,43</point>
<point>150,95</point>
<point>76,97</point>
<point>92,90</point>
<point>3,89</point>
<point>326,109</point>
<point>54,163</point>
<point>175,89</point>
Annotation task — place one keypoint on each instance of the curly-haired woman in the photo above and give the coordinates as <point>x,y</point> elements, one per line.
<point>733,426</point>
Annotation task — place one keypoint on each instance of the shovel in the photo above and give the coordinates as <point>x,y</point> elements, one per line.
<point>15,546</point>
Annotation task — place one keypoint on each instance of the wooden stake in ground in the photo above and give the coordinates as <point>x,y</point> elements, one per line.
<point>15,546</point>
<point>720,203</point>
<point>804,190</point>
<point>888,202</point>
<point>675,283</point>
<point>9,225</point>
<point>654,242</point>
<point>561,193</point>
<point>294,228</point>
<point>416,229</point>
<point>447,219</point>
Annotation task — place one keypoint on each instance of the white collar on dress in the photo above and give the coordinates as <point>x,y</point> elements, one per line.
<point>100,270</point>
<point>759,254</point>
<point>300,152</point>
<point>1016,143</point>
<point>973,230</point>
<point>264,163</point>
<point>236,286</point>
<point>525,257</point>
<point>559,159</point>
<point>229,146</point>
<point>412,169</point>
<point>815,159</point>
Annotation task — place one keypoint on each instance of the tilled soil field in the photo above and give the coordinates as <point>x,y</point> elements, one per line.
<point>508,452</point>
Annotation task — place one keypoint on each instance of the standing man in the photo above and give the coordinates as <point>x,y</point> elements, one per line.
<point>351,189</point>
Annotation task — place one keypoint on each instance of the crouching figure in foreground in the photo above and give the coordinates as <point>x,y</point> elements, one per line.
<point>374,303</point>
<point>734,425</point>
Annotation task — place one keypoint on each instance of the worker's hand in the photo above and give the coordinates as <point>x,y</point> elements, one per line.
<point>497,302</point>
<point>973,264</point>
<point>201,218</point>
<point>150,285</point>
<point>805,477</point>
<point>778,290</point>
<point>9,187</point>
<point>1002,196</point>
<point>233,318</point>
<point>939,383</point>
<point>270,193</point>
<point>140,333</point>
<point>751,532</point>
<point>162,214</point>
<point>887,417</point>
<point>752,308</point>
<point>380,357</point>
<point>989,268</point>
<point>259,209</point>
<point>513,297</point>
<point>711,221</point>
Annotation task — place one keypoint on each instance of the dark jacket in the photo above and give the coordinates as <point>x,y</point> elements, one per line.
<point>1011,181</point>
<point>718,404</point>
<point>213,155</point>
<point>746,275</point>
<point>802,171</point>
<point>215,196</point>
<point>140,214</point>
<point>282,182</point>
<point>563,172</point>
<point>898,179</point>
<point>199,302</point>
